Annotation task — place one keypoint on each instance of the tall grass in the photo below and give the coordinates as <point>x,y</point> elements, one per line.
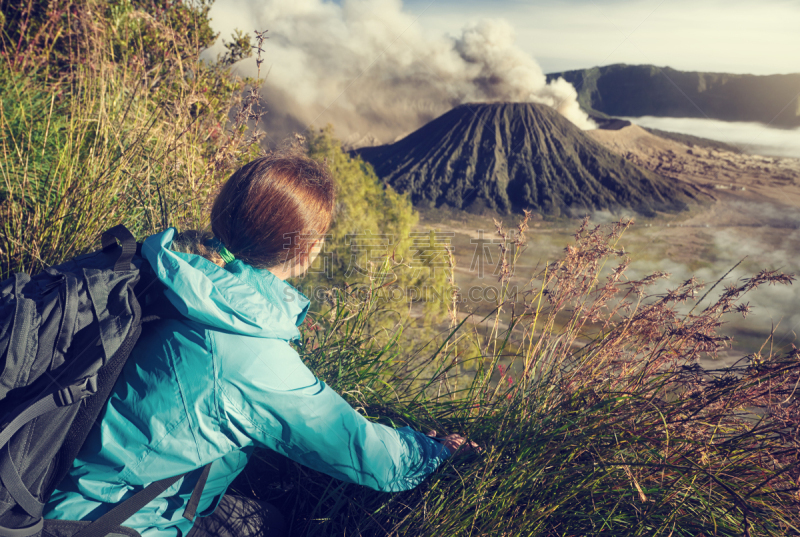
<point>606,425</point>
<point>132,129</point>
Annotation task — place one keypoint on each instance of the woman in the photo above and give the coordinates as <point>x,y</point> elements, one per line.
<point>222,380</point>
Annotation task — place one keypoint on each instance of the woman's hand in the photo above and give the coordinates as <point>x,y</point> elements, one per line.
<point>456,444</point>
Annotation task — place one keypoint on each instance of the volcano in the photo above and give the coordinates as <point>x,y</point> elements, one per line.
<point>513,156</point>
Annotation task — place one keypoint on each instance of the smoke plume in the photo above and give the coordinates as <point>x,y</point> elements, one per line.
<point>367,67</point>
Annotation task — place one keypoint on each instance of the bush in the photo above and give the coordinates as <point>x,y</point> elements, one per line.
<point>374,225</point>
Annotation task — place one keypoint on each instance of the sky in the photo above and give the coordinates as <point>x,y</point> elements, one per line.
<point>732,36</point>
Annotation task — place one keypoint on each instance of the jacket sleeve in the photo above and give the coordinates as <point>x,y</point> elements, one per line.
<point>273,400</point>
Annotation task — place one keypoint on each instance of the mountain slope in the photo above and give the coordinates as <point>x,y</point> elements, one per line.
<point>647,90</point>
<point>514,156</point>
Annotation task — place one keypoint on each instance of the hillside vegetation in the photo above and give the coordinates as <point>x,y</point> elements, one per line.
<point>583,388</point>
<point>108,116</point>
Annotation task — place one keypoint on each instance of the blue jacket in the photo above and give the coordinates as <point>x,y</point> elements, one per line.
<point>212,387</point>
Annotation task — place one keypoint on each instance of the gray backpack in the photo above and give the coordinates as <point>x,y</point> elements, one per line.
<point>65,335</point>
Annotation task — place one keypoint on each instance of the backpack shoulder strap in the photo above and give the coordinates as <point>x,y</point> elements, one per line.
<point>122,512</point>
<point>191,507</point>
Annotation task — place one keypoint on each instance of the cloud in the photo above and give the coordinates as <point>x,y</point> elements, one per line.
<point>752,137</point>
<point>367,66</point>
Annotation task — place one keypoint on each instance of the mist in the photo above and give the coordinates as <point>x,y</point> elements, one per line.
<point>773,307</point>
<point>753,138</point>
<point>368,68</point>
<point>767,237</point>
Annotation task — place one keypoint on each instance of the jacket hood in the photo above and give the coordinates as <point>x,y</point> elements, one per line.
<point>237,298</point>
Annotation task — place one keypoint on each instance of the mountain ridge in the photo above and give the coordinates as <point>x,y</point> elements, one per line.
<point>649,90</point>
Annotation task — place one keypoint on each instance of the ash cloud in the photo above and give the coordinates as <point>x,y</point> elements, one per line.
<point>368,68</point>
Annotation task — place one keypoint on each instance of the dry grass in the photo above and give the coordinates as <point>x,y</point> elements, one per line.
<point>603,425</point>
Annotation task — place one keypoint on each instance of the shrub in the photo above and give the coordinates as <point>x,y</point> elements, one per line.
<point>374,224</point>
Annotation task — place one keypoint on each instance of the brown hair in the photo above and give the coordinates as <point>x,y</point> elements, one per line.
<point>269,211</point>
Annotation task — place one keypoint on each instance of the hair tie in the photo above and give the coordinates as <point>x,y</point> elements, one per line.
<point>224,253</point>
